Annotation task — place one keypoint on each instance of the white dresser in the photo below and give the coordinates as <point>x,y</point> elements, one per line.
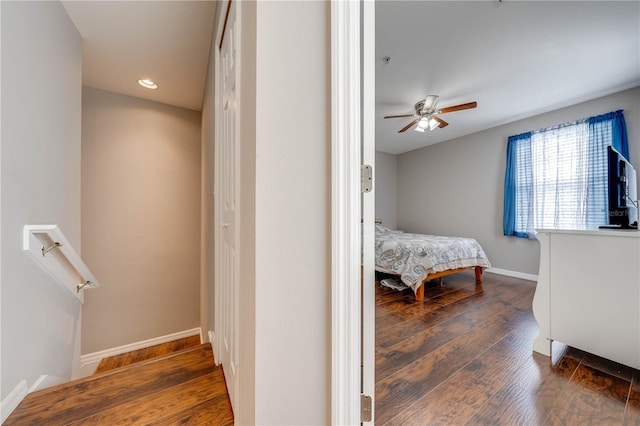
<point>588,293</point>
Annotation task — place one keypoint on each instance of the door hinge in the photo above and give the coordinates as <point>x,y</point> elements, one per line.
<point>365,408</point>
<point>366,178</point>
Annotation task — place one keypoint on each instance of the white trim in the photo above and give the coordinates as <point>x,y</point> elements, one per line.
<point>513,274</point>
<point>46,381</point>
<point>345,213</point>
<point>368,204</point>
<point>12,400</point>
<point>89,362</point>
<point>71,273</point>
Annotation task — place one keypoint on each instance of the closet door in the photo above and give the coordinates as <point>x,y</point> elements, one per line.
<point>226,202</point>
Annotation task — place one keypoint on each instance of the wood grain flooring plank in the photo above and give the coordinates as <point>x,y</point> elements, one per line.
<point>593,395</point>
<point>544,380</point>
<point>512,405</point>
<point>411,348</point>
<point>132,357</point>
<point>214,412</point>
<point>389,311</point>
<point>165,403</point>
<point>465,392</point>
<point>561,417</point>
<point>389,296</point>
<point>107,390</point>
<point>411,383</point>
<point>632,410</point>
<point>434,314</point>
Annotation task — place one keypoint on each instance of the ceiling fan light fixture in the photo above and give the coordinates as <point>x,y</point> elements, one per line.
<point>426,115</point>
<point>422,124</point>
<point>149,84</point>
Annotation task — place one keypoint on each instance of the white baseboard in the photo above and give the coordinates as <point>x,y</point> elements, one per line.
<point>514,274</point>
<point>212,340</point>
<point>12,400</point>
<point>46,381</point>
<point>89,362</point>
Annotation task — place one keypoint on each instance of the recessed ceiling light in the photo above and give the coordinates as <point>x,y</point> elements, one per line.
<point>149,84</point>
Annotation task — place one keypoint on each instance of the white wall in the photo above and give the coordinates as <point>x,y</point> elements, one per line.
<point>293,139</point>
<point>386,172</point>
<point>41,110</point>
<point>140,219</point>
<point>456,187</point>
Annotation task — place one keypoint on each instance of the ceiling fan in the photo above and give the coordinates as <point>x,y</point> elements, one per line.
<point>427,115</point>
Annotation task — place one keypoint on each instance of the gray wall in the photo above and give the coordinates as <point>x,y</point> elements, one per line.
<point>41,104</point>
<point>386,171</point>
<point>456,187</point>
<point>140,219</point>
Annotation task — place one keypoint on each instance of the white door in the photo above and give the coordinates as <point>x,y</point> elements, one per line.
<point>226,202</point>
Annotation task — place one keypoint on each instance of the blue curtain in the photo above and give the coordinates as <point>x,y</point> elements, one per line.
<point>516,168</point>
<point>620,141</point>
<point>598,128</point>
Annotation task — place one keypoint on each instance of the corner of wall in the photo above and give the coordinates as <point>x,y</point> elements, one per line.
<point>12,400</point>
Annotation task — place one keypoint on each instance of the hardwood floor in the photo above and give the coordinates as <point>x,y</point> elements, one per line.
<point>183,387</point>
<point>463,356</point>
<point>116,361</point>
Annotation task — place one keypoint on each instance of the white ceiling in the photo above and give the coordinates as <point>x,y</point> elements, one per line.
<point>516,59</point>
<point>166,41</point>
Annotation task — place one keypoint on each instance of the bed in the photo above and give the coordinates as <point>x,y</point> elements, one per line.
<point>418,258</point>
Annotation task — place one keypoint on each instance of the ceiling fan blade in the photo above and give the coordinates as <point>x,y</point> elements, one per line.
<point>440,120</point>
<point>399,116</point>
<point>404,129</point>
<point>460,107</point>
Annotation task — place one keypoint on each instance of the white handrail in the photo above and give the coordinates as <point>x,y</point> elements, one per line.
<point>52,252</point>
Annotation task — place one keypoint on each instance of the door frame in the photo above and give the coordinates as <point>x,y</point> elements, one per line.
<point>368,203</point>
<point>352,352</point>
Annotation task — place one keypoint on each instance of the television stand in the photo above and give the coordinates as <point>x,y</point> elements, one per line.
<point>588,293</point>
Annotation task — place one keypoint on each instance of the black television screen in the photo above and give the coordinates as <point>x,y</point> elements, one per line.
<point>622,193</point>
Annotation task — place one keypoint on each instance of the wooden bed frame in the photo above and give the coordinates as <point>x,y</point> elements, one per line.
<point>420,291</point>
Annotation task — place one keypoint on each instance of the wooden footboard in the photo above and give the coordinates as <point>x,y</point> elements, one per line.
<point>420,291</point>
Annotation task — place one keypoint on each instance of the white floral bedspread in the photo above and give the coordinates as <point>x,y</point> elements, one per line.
<point>414,256</point>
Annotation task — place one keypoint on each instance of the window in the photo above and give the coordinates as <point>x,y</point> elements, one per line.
<point>557,177</point>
